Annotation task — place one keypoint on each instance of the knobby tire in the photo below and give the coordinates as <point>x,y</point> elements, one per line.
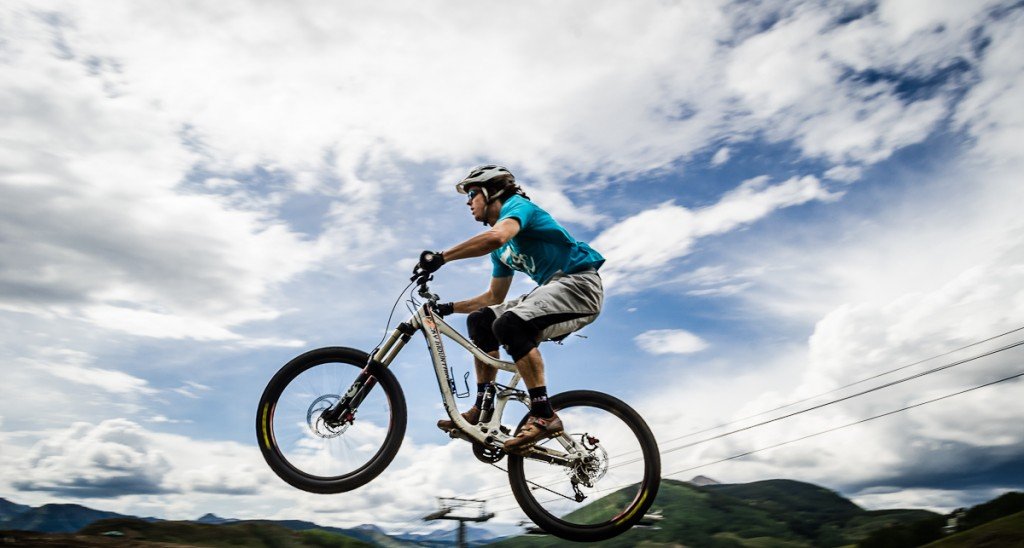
<point>530,495</point>
<point>267,433</point>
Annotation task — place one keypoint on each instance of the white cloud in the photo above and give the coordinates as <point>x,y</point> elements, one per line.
<point>589,107</point>
<point>721,156</point>
<point>77,368</point>
<point>111,459</point>
<point>638,247</point>
<point>936,500</point>
<point>908,17</point>
<point>670,341</point>
<point>427,83</point>
<point>990,110</point>
<point>844,173</point>
<point>797,79</point>
<point>112,381</point>
<point>96,220</point>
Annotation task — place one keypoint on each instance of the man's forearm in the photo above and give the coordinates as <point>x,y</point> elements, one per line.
<point>477,246</point>
<point>474,304</point>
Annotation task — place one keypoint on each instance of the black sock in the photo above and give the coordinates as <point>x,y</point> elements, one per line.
<point>539,404</point>
<point>480,386</point>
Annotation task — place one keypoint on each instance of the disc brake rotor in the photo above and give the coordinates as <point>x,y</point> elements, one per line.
<point>593,462</point>
<point>314,418</point>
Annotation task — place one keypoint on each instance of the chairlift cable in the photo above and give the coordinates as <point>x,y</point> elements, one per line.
<point>845,386</point>
<point>845,398</point>
<point>847,425</point>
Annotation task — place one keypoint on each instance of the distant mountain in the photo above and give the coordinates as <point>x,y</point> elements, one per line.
<point>213,519</point>
<point>376,536</point>
<point>777,513</point>
<point>9,509</point>
<point>69,518</point>
<point>703,481</point>
<point>474,536</point>
<point>56,518</point>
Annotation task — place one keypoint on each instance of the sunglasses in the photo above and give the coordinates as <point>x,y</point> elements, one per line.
<point>472,194</point>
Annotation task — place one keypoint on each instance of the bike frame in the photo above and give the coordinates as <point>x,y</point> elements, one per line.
<point>489,433</point>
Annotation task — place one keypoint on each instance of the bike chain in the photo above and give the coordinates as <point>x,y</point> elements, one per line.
<point>539,486</point>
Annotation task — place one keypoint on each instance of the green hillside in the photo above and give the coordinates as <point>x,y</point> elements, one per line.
<point>1001,533</point>
<point>766,514</point>
<point>248,534</point>
<point>981,525</point>
<point>863,525</point>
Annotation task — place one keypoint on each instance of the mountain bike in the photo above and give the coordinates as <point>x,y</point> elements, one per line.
<point>332,419</point>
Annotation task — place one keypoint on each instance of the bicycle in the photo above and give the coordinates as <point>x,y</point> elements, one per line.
<point>332,419</point>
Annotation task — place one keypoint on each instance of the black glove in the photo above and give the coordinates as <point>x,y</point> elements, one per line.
<point>444,309</point>
<point>430,261</point>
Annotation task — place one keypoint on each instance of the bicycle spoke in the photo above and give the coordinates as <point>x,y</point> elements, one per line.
<point>315,447</point>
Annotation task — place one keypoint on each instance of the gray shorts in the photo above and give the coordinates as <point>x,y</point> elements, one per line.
<point>566,303</point>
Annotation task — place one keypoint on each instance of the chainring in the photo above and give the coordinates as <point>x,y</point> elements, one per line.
<point>487,454</point>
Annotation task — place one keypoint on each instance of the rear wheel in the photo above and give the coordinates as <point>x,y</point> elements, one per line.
<point>612,482</point>
<point>312,454</point>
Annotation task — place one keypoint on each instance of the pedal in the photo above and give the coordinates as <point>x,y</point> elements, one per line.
<point>457,434</point>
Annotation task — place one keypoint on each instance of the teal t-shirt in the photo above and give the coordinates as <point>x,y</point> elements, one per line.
<point>541,247</point>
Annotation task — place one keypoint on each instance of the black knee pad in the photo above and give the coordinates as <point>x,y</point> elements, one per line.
<point>480,332</point>
<point>515,334</point>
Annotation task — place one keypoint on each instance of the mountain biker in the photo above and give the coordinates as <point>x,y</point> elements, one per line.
<point>569,295</point>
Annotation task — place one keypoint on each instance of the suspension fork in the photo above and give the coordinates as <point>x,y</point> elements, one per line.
<point>344,410</point>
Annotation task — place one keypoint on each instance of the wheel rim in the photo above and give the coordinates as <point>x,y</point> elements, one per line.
<point>611,475</point>
<point>324,452</point>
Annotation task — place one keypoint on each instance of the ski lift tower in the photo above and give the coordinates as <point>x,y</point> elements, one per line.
<point>461,510</point>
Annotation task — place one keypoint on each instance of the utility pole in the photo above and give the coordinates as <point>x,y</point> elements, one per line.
<point>461,510</point>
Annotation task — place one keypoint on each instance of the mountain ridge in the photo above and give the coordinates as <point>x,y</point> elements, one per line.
<point>776,512</point>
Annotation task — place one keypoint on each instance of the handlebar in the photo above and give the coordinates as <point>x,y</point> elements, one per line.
<point>422,278</point>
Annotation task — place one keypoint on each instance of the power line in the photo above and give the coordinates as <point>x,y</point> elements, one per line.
<point>851,396</point>
<point>845,386</point>
<point>833,429</point>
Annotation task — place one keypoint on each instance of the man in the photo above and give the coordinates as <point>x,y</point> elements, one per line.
<point>568,296</point>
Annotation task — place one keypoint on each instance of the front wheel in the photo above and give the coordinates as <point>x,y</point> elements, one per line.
<point>612,480</point>
<point>321,457</point>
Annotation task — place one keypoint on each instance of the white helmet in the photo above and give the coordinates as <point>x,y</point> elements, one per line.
<point>483,176</point>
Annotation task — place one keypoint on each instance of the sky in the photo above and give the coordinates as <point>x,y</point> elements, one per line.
<point>791,197</point>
